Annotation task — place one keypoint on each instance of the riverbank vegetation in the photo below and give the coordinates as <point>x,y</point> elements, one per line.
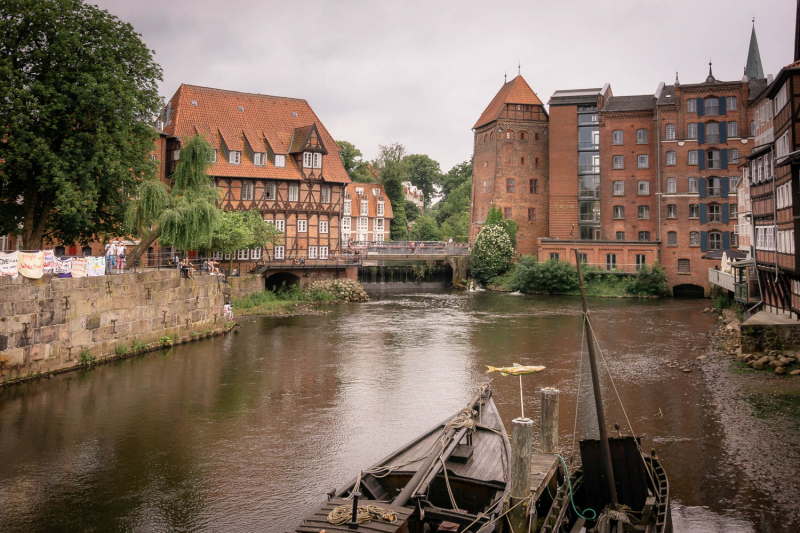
<point>561,277</point>
<point>293,299</point>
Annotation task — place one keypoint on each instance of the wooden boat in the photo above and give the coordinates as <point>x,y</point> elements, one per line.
<point>618,488</point>
<point>453,477</point>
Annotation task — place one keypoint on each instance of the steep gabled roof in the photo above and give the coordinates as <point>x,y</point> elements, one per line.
<point>230,119</point>
<point>516,91</point>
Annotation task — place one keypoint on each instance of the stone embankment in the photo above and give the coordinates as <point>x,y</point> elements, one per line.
<point>347,290</point>
<point>52,324</point>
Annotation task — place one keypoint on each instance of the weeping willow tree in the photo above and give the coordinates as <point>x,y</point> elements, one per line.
<point>183,215</point>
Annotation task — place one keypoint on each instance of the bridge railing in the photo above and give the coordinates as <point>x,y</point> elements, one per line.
<point>413,248</point>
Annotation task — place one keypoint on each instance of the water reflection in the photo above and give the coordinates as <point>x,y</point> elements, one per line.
<point>248,432</point>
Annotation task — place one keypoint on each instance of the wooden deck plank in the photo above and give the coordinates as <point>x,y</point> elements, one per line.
<point>543,468</point>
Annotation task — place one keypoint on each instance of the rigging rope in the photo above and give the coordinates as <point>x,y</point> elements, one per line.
<point>578,395</point>
<point>366,513</point>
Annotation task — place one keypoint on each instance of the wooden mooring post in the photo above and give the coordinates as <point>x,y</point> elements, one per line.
<point>549,418</point>
<point>521,449</point>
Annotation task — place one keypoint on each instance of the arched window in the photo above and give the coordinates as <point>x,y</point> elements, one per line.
<point>491,136</point>
<point>714,240</point>
<point>537,161</point>
<point>522,135</point>
<point>509,134</point>
<point>536,136</point>
<point>485,137</point>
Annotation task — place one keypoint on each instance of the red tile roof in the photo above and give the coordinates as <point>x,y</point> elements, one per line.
<point>516,91</point>
<point>270,118</point>
<point>372,200</point>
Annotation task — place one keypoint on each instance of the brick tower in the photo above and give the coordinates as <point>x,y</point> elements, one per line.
<point>510,163</point>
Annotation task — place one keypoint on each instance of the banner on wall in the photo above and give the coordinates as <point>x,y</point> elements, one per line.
<point>79,267</point>
<point>31,264</point>
<point>62,268</point>
<point>49,259</point>
<point>8,264</point>
<point>96,266</point>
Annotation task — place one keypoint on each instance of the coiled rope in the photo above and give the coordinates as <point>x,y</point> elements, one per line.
<point>366,513</point>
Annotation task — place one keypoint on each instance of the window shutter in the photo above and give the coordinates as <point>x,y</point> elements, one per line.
<point>723,132</point>
<point>700,107</point>
<point>723,186</point>
<point>701,159</point>
<point>725,208</point>
<point>703,213</point>
<point>722,109</point>
<point>726,238</point>
<point>703,241</point>
<point>701,133</point>
<point>702,187</point>
<point>723,158</point>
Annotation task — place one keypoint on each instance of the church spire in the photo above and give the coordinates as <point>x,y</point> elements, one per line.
<point>753,69</point>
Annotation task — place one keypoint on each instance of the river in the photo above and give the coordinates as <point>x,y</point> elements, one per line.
<point>248,432</point>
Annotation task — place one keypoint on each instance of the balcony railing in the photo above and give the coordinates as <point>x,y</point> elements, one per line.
<point>723,279</point>
<point>590,217</point>
<point>589,169</point>
<point>588,145</point>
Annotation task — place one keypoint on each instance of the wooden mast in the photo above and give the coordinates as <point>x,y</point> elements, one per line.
<point>598,398</point>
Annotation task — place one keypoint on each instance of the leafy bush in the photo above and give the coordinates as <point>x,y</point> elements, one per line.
<point>553,276</point>
<point>138,346</point>
<point>85,357</point>
<point>121,349</point>
<point>652,282</point>
<point>721,302</point>
<point>491,253</point>
<point>166,341</point>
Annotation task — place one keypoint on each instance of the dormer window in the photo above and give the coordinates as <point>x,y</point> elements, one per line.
<point>364,207</point>
<point>280,161</point>
<point>260,159</point>
<point>308,159</point>
<point>235,157</point>
<point>376,191</point>
<point>212,156</point>
<point>380,209</point>
<point>317,160</point>
<point>359,190</point>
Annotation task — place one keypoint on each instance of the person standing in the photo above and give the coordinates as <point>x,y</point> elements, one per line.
<point>120,257</point>
<point>111,261</point>
<point>108,257</point>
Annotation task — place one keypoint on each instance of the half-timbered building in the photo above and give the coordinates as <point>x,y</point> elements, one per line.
<point>367,213</point>
<point>272,154</point>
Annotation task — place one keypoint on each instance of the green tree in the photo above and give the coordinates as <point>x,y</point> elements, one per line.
<point>425,229</point>
<point>393,172</point>
<point>356,167</point>
<point>183,216</point>
<point>495,218</point>
<point>79,88</point>
<point>424,173</point>
<point>412,211</point>
<point>650,281</point>
<point>491,253</point>
<point>240,230</point>
<point>455,177</point>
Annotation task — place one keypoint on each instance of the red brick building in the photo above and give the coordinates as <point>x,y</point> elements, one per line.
<point>510,163</point>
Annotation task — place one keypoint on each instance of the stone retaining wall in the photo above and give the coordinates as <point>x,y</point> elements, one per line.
<point>46,324</point>
<point>764,337</point>
<point>245,285</point>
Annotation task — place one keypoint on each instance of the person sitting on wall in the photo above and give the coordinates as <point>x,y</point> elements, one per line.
<point>235,272</point>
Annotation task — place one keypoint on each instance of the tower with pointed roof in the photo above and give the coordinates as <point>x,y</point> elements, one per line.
<point>753,69</point>
<point>510,163</point>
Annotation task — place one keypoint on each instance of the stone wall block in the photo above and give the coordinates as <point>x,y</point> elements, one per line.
<point>24,307</point>
<point>46,335</point>
<point>79,339</point>
<point>39,352</point>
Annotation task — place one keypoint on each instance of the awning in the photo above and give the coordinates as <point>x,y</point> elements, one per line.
<point>744,264</point>
<point>732,254</point>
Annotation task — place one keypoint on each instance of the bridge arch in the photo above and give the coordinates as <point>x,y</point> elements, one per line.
<point>688,290</point>
<point>281,279</point>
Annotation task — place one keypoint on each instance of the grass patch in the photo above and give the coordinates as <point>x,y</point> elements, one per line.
<point>781,406</point>
<point>275,302</point>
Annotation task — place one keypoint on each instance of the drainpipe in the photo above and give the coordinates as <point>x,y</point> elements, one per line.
<point>658,169</point>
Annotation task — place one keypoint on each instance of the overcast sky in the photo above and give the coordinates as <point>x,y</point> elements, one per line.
<point>421,73</point>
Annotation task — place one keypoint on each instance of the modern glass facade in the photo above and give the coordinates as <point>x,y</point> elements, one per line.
<point>589,171</point>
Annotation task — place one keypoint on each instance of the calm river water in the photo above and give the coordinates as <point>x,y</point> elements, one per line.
<point>248,432</point>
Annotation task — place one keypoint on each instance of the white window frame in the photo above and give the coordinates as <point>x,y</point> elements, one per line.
<point>294,192</point>
<point>672,211</point>
<point>260,159</point>
<point>363,224</point>
<point>348,207</point>
<point>731,103</point>
<point>643,209</point>
<point>669,132</point>
<point>693,157</point>
<point>377,225</point>
<point>617,139</point>
<point>381,208</point>
<point>317,157</point>
<point>279,252</point>
<point>235,157</point>
<point>364,207</point>
<point>696,208</point>
<point>212,156</point>
<point>643,188</point>
<point>619,188</point>
<point>280,161</point>
<point>255,253</point>
<point>380,237</point>
<point>733,129</point>
<point>248,189</point>
<point>302,225</point>
<point>621,160</point>
<point>672,158</point>
<point>345,223</point>
<point>312,252</point>
<point>691,105</point>
<point>642,163</point>
<point>694,185</point>
<point>691,130</point>
<point>323,252</point>
<point>323,226</point>
<point>270,187</point>
<point>242,255</point>
<point>280,224</point>
<point>641,136</point>
<point>216,255</point>
<point>308,160</point>
<point>325,194</point>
